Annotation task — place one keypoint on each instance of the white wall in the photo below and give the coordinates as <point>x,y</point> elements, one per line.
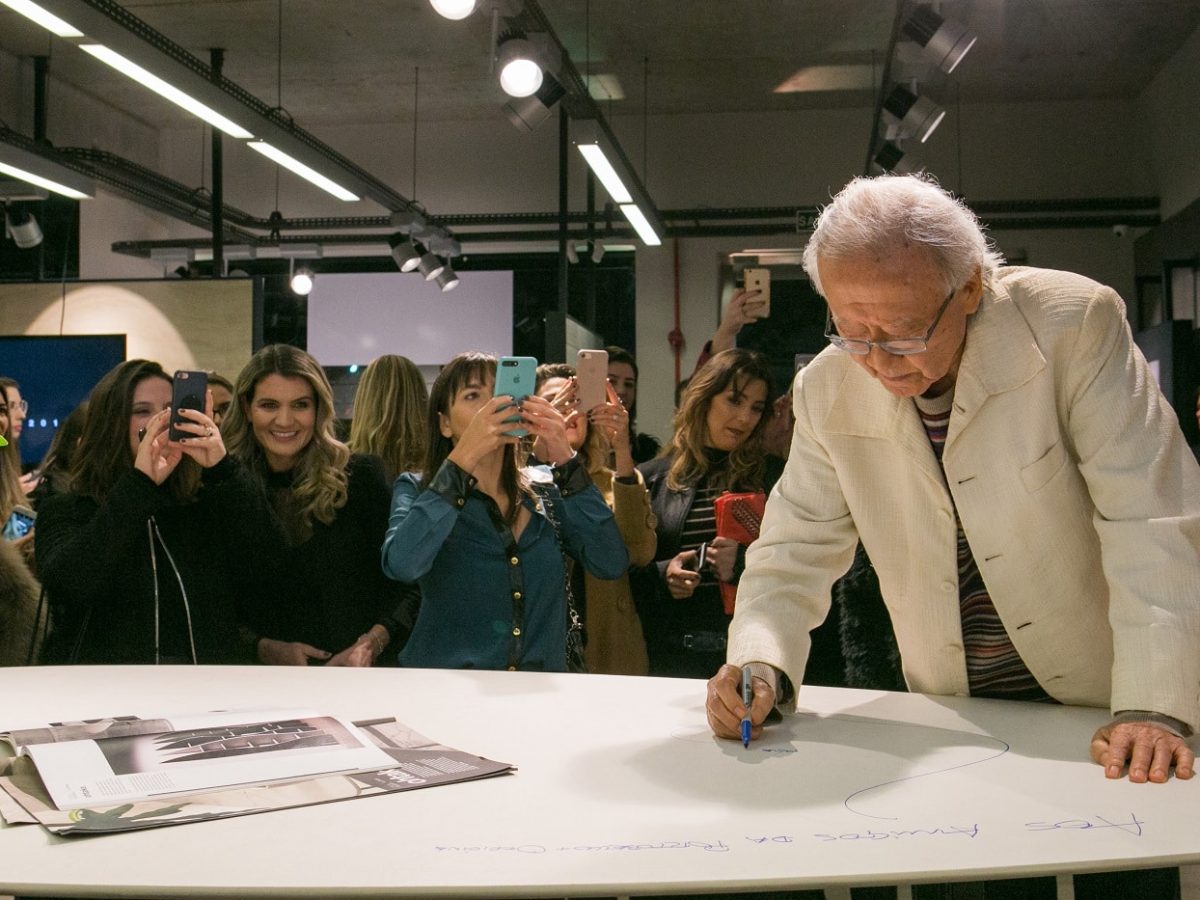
<point>1170,114</point>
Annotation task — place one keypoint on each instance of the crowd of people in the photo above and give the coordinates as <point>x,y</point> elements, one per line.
<point>982,447</point>
<point>439,532</point>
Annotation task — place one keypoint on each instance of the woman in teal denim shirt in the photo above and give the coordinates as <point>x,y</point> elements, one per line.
<point>476,537</point>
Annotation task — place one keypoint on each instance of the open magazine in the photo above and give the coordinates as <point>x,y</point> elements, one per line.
<point>127,772</point>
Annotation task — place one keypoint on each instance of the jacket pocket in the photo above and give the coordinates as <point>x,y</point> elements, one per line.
<point>1037,474</point>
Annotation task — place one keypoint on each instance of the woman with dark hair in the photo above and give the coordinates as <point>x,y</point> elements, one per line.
<point>319,596</point>
<point>51,475</point>
<point>134,552</point>
<point>484,541</point>
<point>15,524</point>
<point>222,391</point>
<point>614,644</point>
<point>623,376</point>
<point>716,447</point>
<point>390,405</point>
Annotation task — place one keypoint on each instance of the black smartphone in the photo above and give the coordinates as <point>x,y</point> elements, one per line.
<point>188,390</point>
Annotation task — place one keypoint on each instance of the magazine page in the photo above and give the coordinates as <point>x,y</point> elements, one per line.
<point>120,726</point>
<point>417,763</point>
<point>144,766</point>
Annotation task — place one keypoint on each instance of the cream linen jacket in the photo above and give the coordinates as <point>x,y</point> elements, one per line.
<point>1078,496</point>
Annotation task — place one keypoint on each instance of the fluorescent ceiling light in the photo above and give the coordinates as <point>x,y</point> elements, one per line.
<point>306,172</point>
<point>640,224</point>
<point>23,175</point>
<point>163,89</point>
<point>43,17</point>
<point>606,173</point>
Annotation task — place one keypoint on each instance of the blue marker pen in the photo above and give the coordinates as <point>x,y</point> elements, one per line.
<point>747,699</point>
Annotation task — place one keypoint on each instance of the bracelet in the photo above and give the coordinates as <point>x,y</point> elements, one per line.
<point>377,643</point>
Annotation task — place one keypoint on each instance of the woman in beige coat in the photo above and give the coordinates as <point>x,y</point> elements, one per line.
<point>614,641</point>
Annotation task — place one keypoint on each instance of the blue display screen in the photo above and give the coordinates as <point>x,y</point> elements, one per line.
<point>56,374</point>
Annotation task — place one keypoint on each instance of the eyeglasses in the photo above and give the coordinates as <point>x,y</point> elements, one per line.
<point>896,346</point>
<point>21,406</point>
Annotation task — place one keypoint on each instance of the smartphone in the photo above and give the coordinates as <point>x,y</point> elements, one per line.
<point>20,522</point>
<point>591,374</point>
<point>515,376</point>
<point>188,390</point>
<point>759,280</point>
<point>701,559</point>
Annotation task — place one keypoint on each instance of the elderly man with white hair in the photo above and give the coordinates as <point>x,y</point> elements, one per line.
<point>997,442</point>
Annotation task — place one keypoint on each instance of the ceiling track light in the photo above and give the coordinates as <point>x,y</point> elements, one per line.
<point>301,280</point>
<point>405,252</point>
<point>449,9</point>
<point>21,226</point>
<point>890,158</point>
<point>916,116</point>
<point>944,41</point>
<point>446,279</point>
<point>517,67</point>
<point>527,113</point>
<point>430,266</point>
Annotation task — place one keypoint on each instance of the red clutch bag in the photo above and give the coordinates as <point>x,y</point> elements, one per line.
<point>738,518</point>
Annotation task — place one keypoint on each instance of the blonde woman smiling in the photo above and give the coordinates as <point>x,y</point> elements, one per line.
<point>319,595</point>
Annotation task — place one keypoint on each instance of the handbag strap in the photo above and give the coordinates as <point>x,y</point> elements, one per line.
<point>575,660</point>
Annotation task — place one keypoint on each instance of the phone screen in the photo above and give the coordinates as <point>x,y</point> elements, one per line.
<point>187,392</point>
<point>20,523</point>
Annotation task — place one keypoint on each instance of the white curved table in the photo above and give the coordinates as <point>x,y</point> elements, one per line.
<point>620,790</point>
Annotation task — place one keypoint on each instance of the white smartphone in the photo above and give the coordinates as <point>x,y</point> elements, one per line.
<point>591,374</point>
<point>759,280</point>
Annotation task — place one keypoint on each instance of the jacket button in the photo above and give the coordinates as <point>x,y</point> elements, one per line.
<point>459,502</point>
<point>516,595</point>
<point>516,632</point>
<point>514,561</point>
<point>949,586</point>
<point>512,668</point>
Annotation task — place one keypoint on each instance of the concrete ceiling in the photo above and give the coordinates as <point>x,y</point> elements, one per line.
<point>353,62</point>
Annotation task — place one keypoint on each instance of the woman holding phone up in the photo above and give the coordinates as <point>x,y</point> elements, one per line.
<point>716,447</point>
<point>319,595</point>
<point>136,552</point>
<point>482,541</point>
<point>614,644</point>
